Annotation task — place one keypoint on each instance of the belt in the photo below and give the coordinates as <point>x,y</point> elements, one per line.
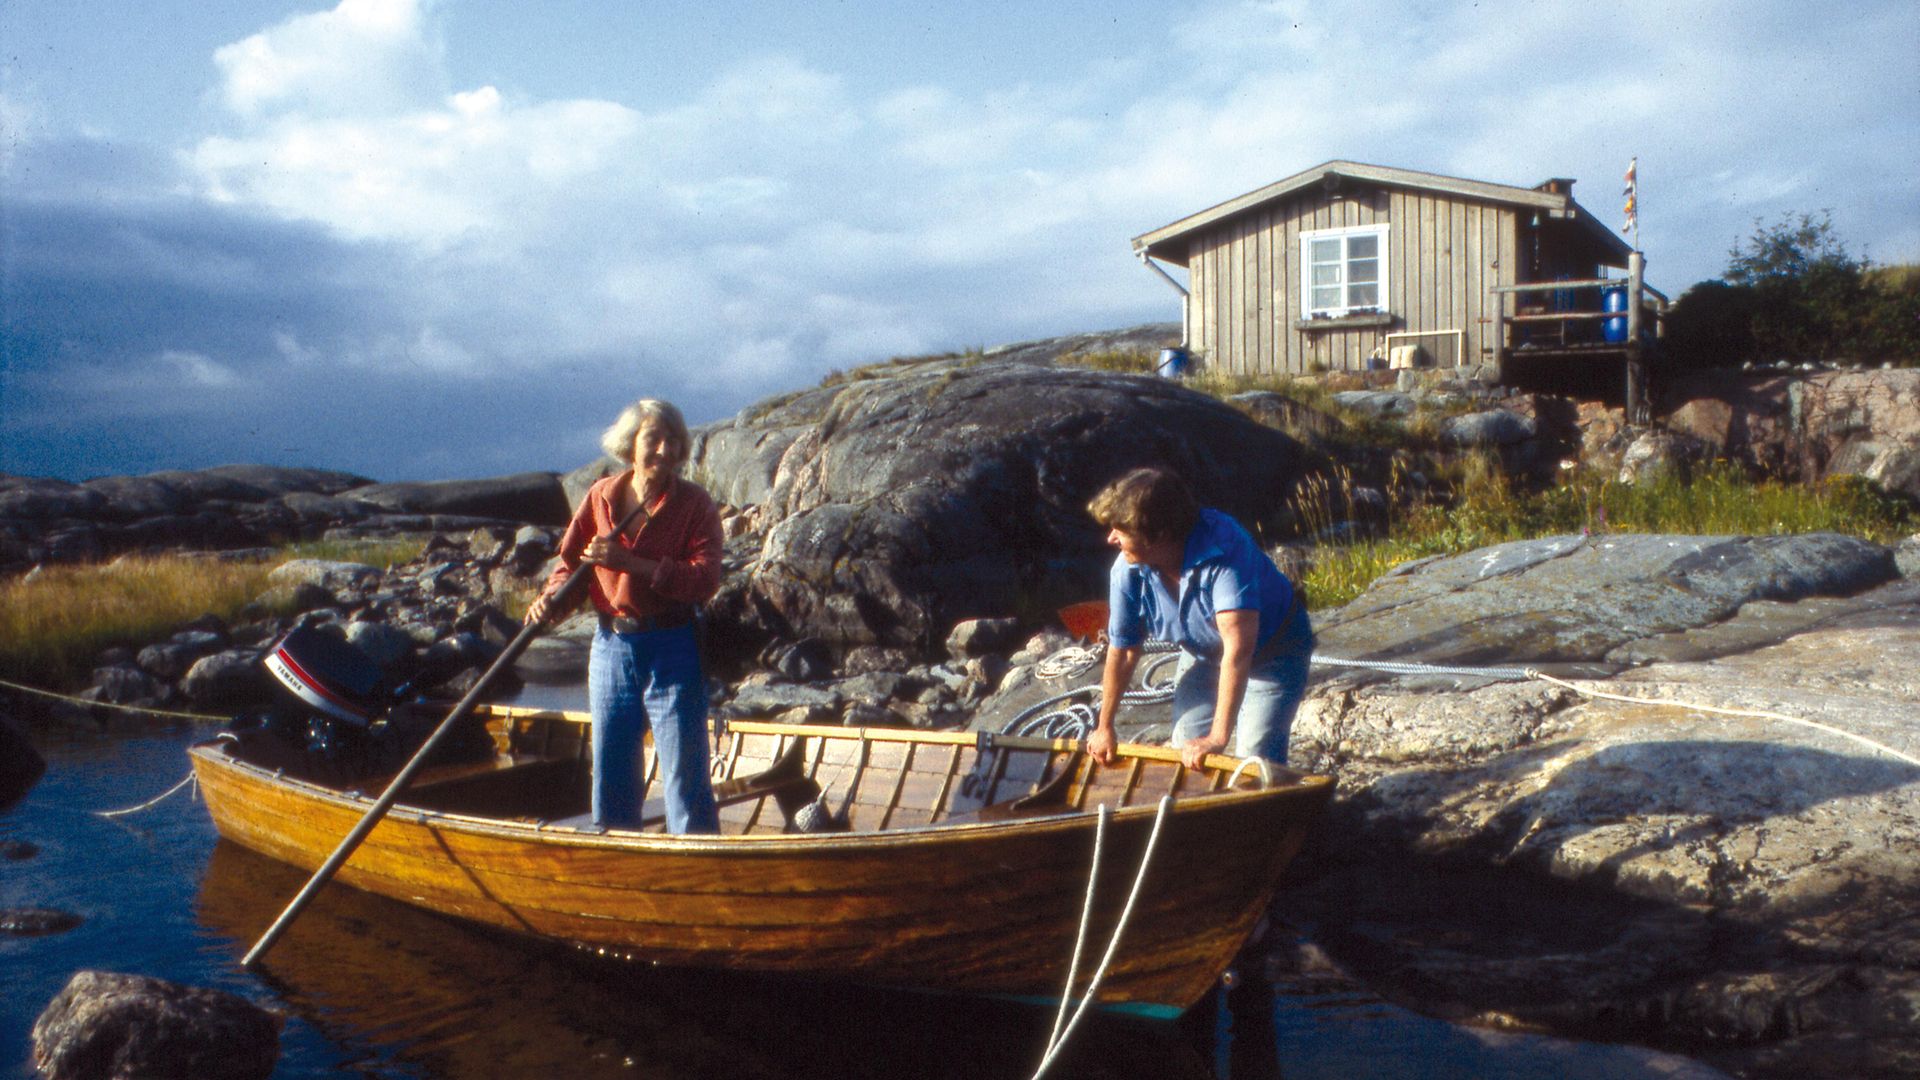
<point>643,624</point>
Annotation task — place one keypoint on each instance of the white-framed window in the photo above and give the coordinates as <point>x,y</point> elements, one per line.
<point>1343,271</point>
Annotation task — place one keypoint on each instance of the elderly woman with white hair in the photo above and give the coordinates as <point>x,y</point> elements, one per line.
<point>649,581</point>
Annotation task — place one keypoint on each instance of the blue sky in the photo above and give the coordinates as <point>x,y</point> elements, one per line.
<point>424,239</point>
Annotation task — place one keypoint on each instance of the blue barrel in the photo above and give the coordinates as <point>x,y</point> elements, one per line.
<point>1614,329</point>
<point>1173,363</point>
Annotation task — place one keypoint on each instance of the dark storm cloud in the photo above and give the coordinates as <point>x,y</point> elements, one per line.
<point>153,334</point>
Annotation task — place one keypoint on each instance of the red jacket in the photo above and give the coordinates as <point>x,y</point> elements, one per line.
<point>684,534</point>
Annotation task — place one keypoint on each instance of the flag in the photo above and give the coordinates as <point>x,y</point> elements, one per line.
<point>1632,193</point>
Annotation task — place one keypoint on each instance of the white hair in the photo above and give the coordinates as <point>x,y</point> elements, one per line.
<point>617,440</point>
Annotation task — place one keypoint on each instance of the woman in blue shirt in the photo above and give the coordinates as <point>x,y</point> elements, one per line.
<point>1196,578</point>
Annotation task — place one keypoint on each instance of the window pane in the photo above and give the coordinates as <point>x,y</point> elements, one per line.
<point>1361,270</point>
<point>1326,275</point>
<point>1325,250</point>
<point>1326,298</point>
<point>1363,296</point>
<point>1364,246</point>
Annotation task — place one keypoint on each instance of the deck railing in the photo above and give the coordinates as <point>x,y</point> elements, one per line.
<point>1571,330</point>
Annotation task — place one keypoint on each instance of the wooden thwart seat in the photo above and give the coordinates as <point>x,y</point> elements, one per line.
<point>1049,798</point>
<point>786,780</point>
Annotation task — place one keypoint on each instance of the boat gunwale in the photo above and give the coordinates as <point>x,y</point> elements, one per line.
<point>1297,785</point>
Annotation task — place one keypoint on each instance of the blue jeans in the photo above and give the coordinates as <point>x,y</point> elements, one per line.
<point>641,682</point>
<point>1275,688</point>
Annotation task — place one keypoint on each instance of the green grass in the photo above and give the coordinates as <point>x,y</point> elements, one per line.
<point>1126,361</point>
<point>54,627</point>
<point>1486,509</point>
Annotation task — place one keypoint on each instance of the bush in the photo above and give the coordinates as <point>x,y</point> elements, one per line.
<point>1792,293</point>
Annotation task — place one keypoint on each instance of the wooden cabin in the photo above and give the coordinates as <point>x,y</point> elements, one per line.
<point>1347,267</point>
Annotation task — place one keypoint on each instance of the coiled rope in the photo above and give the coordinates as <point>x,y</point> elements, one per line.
<point>1058,1040</point>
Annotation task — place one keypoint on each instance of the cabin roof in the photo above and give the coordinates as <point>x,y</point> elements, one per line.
<point>1169,242</point>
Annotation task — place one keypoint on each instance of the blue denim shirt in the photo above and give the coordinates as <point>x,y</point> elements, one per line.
<point>1222,569</point>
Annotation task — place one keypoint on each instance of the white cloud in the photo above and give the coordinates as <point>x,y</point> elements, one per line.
<point>430,176</point>
<point>364,55</point>
<point>197,370</point>
<point>776,216</point>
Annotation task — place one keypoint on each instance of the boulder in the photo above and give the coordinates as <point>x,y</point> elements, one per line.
<point>1376,403</point>
<point>455,653</point>
<point>769,699</point>
<point>387,646</point>
<point>1726,858</point>
<point>37,498</point>
<point>314,510</point>
<point>978,637</point>
<point>1490,427</point>
<point>129,498</point>
<point>334,576</point>
<point>170,659</point>
<point>1588,598</point>
<point>107,1026</point>
<point>800,661</point>
<point>231,679</point>
<point>36,922</point>
<point>576,483</point>
<point>126,685</point>
<point>1654,455</point>
<point>286,480</point>
<point>1807,426</point>
<point>899,504</point>
<point>535,498</point>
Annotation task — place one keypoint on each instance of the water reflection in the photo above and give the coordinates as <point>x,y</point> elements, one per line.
<point>452,1000</point>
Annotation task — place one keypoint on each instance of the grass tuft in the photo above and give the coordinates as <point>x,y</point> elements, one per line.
<point>1487,508</point>
<point>54,625</point>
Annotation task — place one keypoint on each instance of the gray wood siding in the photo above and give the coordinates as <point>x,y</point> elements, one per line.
<point>1444,255</point>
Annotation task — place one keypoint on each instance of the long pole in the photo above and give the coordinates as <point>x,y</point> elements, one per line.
<point>561,600</point>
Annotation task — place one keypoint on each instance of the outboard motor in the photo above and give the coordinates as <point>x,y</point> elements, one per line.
<point>332,727</point>
<point>330,675</point>
<point>339,725</point>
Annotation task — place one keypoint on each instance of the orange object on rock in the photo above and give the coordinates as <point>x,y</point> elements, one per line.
<point>1086,620</point>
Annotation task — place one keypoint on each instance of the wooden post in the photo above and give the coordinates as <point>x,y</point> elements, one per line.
<point>1637,406</point>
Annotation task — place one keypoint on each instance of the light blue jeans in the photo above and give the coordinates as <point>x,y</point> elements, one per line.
<point>650,681</point>
<point>1275,689</point>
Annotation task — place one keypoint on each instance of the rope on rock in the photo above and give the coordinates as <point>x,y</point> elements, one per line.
<point>92,704</point>
<point>1757,713</point>
<point>1075,721</point>
<point>1062,723</point>
<point>1403,668</point>
<point>1059,1042</point>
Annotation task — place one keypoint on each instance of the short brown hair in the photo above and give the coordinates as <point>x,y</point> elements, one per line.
<point>1154,504</point>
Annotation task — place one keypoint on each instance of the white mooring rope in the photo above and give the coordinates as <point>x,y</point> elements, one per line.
<point>1059,1043</point>
<point>1757,713</point>
<point>155,801</point>
<point>1078,659</point>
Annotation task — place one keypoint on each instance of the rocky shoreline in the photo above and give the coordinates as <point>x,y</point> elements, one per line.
<point>1713,865</point>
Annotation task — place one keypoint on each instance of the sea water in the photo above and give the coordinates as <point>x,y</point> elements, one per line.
<point>372,987</point>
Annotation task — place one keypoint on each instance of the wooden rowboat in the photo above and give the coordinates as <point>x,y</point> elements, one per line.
<point>962,865</point>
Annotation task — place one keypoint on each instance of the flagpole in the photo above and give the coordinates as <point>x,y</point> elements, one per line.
<point>1632,192</point>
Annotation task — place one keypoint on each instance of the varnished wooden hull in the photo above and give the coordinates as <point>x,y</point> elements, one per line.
<point>941,895</point>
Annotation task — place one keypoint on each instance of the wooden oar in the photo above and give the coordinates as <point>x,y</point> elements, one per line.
<point>562,599</point>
